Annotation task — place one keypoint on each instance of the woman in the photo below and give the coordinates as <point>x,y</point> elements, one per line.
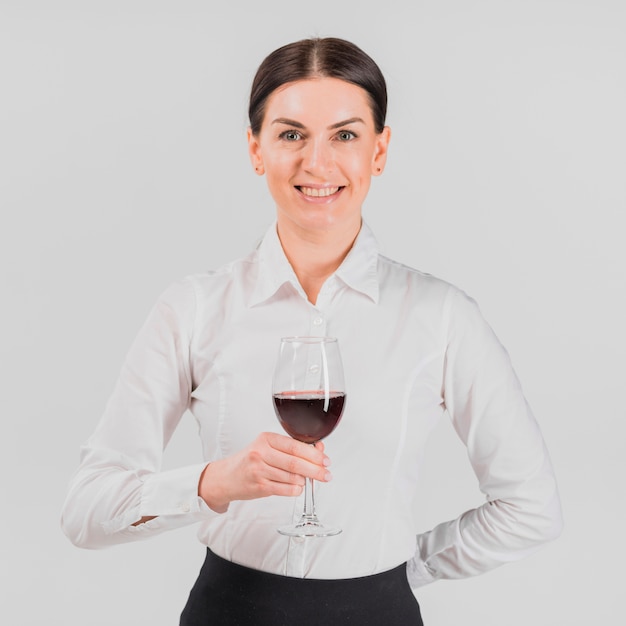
<point>413,347</point>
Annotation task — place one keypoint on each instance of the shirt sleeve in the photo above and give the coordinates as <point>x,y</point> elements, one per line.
<point>506,450</point>
<point>119,479</point>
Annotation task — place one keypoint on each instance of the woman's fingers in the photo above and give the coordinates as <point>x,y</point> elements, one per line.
<point>291,465</point>
<point>314,454</point>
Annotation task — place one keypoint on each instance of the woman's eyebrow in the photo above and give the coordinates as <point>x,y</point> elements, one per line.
<point>352,120</point>
<point>288,122</point>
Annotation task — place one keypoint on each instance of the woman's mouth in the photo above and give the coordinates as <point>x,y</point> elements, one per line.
<point>318,192</point>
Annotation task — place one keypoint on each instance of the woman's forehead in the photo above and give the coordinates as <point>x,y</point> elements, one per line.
<point>319,97</point>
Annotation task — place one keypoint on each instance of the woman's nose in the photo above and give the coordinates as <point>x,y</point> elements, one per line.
<point>317,157</point>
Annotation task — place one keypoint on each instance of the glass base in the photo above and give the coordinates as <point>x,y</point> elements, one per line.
<point>308,528</point>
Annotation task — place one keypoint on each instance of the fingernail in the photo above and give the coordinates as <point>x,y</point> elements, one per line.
<point>326,462</point>
<point>328,476</point>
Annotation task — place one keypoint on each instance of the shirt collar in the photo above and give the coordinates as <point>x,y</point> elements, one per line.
<point>358,270</point>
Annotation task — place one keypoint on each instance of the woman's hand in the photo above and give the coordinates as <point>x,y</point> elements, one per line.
<point>272,465</point>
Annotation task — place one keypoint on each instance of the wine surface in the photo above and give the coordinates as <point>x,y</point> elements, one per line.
<point>308,416</point>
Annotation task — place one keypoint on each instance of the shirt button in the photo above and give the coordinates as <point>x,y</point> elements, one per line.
<point>318,321</point>
<point>185,508</point>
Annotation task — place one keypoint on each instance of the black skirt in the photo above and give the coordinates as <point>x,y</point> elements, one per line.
<point>227,594</point>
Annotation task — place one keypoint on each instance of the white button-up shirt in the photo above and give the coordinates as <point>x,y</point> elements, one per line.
<point>414,349</point>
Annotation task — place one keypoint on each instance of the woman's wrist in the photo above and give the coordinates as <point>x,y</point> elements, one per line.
<point>209,487</point>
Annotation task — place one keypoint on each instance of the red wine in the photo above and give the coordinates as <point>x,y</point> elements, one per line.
<point>308,416</point>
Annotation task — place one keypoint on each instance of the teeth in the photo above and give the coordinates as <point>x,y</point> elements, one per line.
<point>319,193</point>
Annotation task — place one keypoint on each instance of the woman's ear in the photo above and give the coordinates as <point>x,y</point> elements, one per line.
<point>380,152</point>
<point>254,150</point>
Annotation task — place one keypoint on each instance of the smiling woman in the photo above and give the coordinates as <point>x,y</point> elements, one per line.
<point>318,147</point>
<point>413,348</point>
<point>317,130</point>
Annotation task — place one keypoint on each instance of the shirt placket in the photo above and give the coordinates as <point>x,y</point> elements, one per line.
<point>317,324</point>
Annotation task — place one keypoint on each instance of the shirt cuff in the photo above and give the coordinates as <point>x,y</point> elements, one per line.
<point>418,573</point>
<point>170,497</point>
<point>174,492</point>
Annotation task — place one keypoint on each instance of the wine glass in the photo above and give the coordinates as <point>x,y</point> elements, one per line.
<point>309,396</point>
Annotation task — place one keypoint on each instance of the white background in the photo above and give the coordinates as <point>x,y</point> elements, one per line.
<point>123,166</point>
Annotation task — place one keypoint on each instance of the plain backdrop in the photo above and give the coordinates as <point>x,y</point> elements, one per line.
<point>123,166</point>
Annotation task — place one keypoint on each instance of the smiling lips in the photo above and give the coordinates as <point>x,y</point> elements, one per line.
<point>316,192</point>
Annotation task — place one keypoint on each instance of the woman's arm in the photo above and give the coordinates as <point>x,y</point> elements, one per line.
<point>507,453</point>
<point>119,480</point>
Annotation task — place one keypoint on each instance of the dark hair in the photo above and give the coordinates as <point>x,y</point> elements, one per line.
<point>328,57</point>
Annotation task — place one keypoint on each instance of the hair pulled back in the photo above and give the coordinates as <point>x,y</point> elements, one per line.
<point>317,57</point>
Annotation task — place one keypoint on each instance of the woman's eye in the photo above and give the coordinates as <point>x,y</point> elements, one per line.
<point>345,135</point>
<point>291,135</point>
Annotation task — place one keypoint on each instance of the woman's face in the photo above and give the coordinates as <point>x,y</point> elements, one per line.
<point>319,148</point>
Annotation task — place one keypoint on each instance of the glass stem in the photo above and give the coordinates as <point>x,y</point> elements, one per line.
<point>308,515</point>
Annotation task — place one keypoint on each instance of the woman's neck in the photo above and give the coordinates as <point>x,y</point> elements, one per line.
<point>315,255</point>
